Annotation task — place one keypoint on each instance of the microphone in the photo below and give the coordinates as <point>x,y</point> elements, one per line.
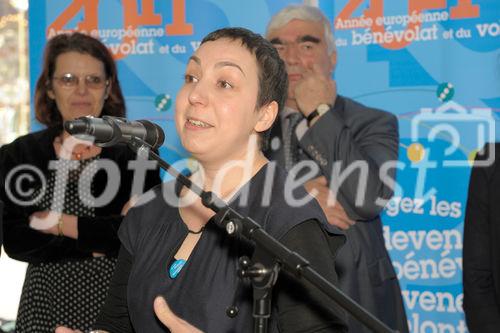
<point>108,131</point>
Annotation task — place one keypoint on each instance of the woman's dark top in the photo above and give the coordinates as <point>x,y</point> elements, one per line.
<point>153,232</point>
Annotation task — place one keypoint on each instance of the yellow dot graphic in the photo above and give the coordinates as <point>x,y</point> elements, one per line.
<point>415,152</point>
<point>472,156</point>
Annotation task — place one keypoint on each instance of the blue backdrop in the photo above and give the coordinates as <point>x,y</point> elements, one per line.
<point>435,64</point>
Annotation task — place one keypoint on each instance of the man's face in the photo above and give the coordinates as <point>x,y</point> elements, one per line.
<point>301,44</point>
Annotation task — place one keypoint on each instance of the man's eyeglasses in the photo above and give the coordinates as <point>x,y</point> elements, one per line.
<point>69,80</point>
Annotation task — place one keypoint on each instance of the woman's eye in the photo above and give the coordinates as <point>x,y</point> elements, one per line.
<point>69,79</point>
<point>224,84</point>
<point>190,78</point>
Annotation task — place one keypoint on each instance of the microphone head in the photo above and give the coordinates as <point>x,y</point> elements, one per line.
<point>77,126</point>
<point>154,134</point>
<point>108,131</point>
<point>89,128</point>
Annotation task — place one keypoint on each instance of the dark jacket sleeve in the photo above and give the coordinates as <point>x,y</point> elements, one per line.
<point>114,316</point>
<point>20,241</point>
<point>96,234</point>
<point>351,134</point>
<point>481,306</point>
<point>301,306</point>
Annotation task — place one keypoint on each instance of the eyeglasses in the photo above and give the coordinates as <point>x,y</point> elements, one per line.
<point>69,80</point>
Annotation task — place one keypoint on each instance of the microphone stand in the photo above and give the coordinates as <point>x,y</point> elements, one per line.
<point>263,277</point>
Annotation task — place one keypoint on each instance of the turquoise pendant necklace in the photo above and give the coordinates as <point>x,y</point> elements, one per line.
<point>178,264</point>
<point>176,267</point>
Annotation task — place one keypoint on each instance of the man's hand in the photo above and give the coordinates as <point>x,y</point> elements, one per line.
<point>335,213</point>
<point>131,203</point>
<point>314,89</point>
<point>170,319</point>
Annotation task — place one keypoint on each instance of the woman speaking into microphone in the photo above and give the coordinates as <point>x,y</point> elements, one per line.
<point>234,86</point>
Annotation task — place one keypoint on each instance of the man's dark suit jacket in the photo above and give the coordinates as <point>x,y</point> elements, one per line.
<point>481,256</point>
<point>353,133</point>
<point>1,224</point>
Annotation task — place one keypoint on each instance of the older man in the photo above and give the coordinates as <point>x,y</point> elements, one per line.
<point>343,148</point>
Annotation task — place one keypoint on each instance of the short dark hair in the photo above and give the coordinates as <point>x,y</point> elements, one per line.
<point>273,79</point>
<point>45,108</point>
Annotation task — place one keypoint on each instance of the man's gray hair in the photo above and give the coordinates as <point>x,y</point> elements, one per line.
<point>304,13</point>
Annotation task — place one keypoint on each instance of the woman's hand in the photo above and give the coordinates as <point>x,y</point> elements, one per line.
<point>45,221</point>
<point>170,319</point>
<point>163,312</point>
<point>54,223</point>
<point>62,329</point>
